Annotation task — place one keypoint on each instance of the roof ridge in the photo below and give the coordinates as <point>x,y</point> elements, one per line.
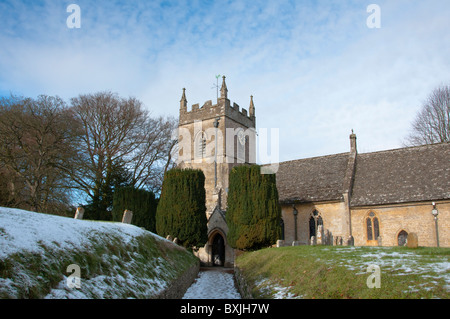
<point>314,157</point>
<point>408,148</point>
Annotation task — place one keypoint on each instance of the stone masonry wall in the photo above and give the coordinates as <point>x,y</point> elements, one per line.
<point>178,287</point>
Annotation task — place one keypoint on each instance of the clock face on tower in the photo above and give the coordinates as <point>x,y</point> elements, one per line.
<point>241,137</point>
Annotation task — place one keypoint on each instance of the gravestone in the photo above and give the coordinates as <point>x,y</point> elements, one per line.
<point>379,241</point>
<point>280,243</point>
<point>350,241</point>
<point>319,235</point>
<point>127,216</point>
<point>412,241</point>
<point>79,213</point>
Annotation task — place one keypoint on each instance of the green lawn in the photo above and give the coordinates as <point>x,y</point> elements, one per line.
<point>341,272</point>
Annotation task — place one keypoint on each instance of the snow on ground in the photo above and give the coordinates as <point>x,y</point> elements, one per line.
<point>213,284</point>
<point>24,230</point>
<point>403,263</point>
<point>276,291</point>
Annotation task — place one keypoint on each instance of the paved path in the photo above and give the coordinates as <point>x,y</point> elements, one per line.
<point>213,283</point>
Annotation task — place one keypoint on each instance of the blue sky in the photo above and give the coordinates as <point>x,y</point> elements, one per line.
<point>315,69</point>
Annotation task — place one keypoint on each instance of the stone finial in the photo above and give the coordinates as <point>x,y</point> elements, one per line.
<point>127,216</point>
<point>79,213</point>
<point>223,89</point>
<point>353,142</point>
<point>183,101</point>
<point>251,109</point>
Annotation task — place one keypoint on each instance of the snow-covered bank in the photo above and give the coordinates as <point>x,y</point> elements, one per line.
<point>116,260</point>
<point>23,230</point>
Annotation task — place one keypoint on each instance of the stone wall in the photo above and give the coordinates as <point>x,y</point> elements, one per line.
<point>410,217</point>
<point>242,285</point>
<point>332,214</point>
<point>177,288</point>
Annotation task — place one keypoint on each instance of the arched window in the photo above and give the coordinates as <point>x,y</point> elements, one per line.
<point>401,238</point>
<point>240,152</point>
<point>200,145</point>
<point>314,222</point>
<point>372,227</point>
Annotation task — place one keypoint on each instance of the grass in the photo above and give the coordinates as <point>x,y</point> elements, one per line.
<point>109,269</point>
<point>341,272</point>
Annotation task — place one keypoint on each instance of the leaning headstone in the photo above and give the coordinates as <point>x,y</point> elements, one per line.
<point>412,241</point>
<point>169,237</point>
<point>280,243</point>
<point>175,240</point>
<point>79,213</point>
<point>127,216</point>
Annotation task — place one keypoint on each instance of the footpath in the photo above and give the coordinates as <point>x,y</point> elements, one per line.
<point>213,283</point>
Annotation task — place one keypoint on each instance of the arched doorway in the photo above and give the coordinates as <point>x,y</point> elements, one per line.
<point>401,238</point>
<point>218,250</point>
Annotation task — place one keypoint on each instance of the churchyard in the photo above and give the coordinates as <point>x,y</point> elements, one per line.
<point>314,272</point>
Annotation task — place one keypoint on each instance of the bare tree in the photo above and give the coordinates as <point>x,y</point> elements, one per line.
<point>120,141</point>
<point>37,141</point>
<point>432,123</point>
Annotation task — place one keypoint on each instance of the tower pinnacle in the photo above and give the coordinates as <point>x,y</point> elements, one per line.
<point>183,101</point>
<point>252,107</point>
<point>223,89</point>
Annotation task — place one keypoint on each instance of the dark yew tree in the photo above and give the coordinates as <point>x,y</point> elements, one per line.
<point>253,214</point>
<point>181,211</point>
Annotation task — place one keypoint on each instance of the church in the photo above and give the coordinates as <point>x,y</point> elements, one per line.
<point>367,199</point>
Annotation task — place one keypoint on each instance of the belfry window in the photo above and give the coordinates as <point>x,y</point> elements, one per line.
<point>372,227</point>
<point>200,146</point>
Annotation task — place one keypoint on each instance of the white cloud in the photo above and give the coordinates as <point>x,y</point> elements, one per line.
<point>314,68</point>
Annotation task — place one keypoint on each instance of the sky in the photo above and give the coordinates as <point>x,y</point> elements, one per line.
<point>316,69</point>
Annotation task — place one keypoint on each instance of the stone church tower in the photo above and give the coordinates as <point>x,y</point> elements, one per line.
<point>215,138</point>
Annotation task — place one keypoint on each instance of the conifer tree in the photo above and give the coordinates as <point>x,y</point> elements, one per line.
<point>253,214</point>
<point>141,202</point>
<point>181,211</point>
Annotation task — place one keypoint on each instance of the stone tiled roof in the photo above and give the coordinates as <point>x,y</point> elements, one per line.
<point>402,175</point>
<point>312,179</point>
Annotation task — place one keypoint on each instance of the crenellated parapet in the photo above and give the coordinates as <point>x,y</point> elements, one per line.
<point>223,107</point>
